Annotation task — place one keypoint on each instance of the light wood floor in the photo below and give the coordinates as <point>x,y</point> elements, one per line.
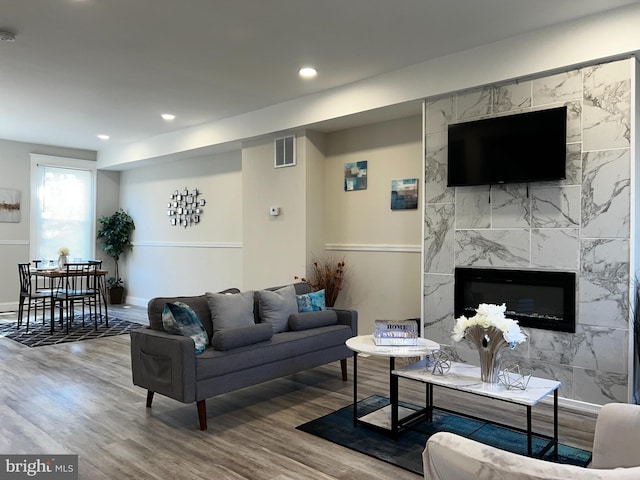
<point>78,398</point>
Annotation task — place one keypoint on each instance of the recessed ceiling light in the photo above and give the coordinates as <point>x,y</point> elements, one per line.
<point>308,72</point>
<point>102,136</point>
<point>7,36</point>
<point>168,116</point>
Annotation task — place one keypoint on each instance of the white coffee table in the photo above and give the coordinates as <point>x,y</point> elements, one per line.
<point>386,418</point>
<point>466,378</point>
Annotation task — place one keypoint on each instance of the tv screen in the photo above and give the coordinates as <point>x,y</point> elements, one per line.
<point>526,147</point>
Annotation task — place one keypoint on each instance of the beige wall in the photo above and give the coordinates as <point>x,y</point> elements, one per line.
<point>314,146</point>
<point>381,247</point>
<point>239,244</point>
<point>171,260</point>
<point>14,237</point>
<point>274,247</point>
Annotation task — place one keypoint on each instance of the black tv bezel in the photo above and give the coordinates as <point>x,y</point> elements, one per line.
<point>496,122</point>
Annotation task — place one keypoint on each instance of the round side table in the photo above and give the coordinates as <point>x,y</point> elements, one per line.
<point>366,345</point>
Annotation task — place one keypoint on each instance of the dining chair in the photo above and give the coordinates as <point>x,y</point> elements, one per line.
<point>77,289</point>
<point>41,284</point>
<point>31,296</point>
<point>97,290</point>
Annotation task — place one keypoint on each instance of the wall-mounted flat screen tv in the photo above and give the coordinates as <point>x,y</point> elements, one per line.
<point>521,148</point>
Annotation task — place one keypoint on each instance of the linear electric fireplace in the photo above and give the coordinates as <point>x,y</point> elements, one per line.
<point>536,299</point>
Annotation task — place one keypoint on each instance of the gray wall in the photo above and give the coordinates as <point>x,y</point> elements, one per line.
<point>15,165</point>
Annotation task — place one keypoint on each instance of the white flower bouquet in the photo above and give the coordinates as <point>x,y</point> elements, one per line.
<point>491,332</point>
<point>63,251</point>
<point>490,315</point>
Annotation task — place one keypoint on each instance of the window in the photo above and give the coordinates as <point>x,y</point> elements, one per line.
<point>62,207</point>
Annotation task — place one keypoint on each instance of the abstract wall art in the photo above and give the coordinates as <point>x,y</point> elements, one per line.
<point>355,176</point>
<point>404,194</point>
<point>9,205</point>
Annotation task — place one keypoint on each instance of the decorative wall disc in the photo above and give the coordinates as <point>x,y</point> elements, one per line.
<point>185,207</point>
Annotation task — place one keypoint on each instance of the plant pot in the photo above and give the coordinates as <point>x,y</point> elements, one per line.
<point>116,295</point>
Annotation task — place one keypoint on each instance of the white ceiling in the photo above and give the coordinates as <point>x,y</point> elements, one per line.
<point>83,67</point>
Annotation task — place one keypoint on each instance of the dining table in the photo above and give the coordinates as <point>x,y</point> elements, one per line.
<point>56,278</point>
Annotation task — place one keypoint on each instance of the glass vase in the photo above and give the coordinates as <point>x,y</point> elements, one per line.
<point>491,345</point>
<point>62,261</point>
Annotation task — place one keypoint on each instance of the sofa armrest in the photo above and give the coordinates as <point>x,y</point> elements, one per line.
<point>347,317</point>
<point>616,441</point>
<point>164,363</point>
<point>450,456</point>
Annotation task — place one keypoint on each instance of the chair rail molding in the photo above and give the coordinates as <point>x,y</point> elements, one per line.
<point>366,247</point>
<point>14,242</point>
<point>188,244</point>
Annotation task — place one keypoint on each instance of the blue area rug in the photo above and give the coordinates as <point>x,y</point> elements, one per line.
<point>406,451</point>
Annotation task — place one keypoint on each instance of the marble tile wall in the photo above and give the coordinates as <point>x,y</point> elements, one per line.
<point>580,224</point>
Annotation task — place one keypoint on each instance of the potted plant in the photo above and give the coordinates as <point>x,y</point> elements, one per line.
<point>115,232</point>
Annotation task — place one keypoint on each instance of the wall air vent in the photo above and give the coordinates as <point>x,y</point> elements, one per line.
<point>285,151</point>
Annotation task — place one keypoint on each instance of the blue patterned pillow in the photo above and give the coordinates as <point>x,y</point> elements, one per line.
<point>179,319</point>
<point>311,302</point>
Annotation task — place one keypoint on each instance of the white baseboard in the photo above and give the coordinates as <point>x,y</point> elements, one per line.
<point>9,307</point>
<point>136,301</point>
<point>575,405</point>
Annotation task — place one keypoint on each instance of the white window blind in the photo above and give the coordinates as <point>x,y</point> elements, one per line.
<point>62,207</point>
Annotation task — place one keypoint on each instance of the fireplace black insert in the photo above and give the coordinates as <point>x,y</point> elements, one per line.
<point>537,299</point>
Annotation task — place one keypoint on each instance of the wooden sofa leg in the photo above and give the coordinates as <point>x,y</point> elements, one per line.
<point>202,413</point>
<point>149,398</point>
<point>343,366</point>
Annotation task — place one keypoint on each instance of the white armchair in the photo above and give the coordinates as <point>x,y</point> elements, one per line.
<point>616,454</point>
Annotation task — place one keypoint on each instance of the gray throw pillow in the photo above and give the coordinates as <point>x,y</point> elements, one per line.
<point>179,319</point>
<point>307,320</point>
<point>241,336</point>
<point>230,310</point>
<point>276,306</point>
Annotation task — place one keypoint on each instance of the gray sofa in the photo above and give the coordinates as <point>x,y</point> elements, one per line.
<point>167,364</point>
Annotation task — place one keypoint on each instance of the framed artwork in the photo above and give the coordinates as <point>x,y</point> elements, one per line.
<point>355,176</point>
<point>10,205</point>
<point>404,194</point>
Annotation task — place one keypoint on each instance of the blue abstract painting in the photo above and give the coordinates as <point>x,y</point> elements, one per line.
<point>355,176</point>
<point>404,194</point>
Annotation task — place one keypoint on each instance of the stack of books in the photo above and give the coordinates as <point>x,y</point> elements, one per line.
<point>396,332</point>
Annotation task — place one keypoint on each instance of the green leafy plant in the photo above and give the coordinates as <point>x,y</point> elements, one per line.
<point>115,232</point>
<point>327,274</point>
<point>113,282</point>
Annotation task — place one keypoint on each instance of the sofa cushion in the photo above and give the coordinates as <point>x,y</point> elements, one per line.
<point>198,303</point>
<point>311,302</point>
<point>179,319</point>
<point>281,347</point>
<point>276,306</point>
<point>451,456</point>
<point>230,310</point>
<point>307,320</point>
<point>240,336</point>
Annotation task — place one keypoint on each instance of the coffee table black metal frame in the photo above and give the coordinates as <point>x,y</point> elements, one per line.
<point>365,345</point>
<point>468,381</point>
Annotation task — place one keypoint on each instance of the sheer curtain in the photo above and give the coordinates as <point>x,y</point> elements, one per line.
<point>62,207</point>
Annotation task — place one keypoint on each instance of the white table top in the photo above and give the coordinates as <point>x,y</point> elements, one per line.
<point>365,344</point>
<point>466,378</point>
